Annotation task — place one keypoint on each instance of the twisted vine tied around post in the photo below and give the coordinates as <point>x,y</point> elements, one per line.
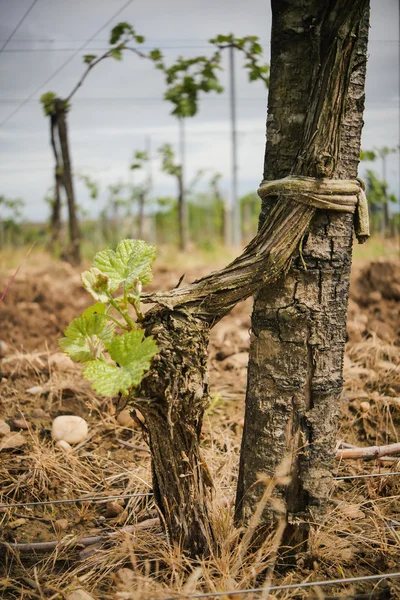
<point>341,195</point>
<point>271,251</point>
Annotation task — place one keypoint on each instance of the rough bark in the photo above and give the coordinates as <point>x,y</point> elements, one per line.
<point>55,219</point>
<point>73,225</point>
<point>305,323</point>
<point>299,324</point>
<point>176,394</point>
<point>182,215</point>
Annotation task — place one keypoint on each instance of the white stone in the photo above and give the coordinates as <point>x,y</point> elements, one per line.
<point>78,595</point>
<point>4,427</point>
<point>69,428</point>
<point>3,348</point>
<point>64,446</point>
<point>36,389</point>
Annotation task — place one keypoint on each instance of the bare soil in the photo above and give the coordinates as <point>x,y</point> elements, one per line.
<point>360,537</point>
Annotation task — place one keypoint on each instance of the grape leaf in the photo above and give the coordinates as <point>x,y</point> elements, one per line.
<point>131,261</point>
<point>96,283</point>
<point>87,336</point>
<point>133,355</point>
<point>98,308</point>
<point>106,379</point>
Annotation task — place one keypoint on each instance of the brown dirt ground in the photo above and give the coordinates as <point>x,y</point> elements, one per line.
<point>362,535</point>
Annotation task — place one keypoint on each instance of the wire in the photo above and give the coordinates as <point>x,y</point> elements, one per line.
<point>290,586</point>
<point>75,500</point>
<point>143,99</point>
<point>103,48</point>
<point>203,99</point>
<point>163,45</point>
<point>142,495</point>
<point>65,63</point>
<point>18,25</point>
<point>367,476</point>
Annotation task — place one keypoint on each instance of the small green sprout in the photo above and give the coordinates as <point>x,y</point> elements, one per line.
<point>115,352</point>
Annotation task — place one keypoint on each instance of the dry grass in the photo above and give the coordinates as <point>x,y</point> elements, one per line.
<point>360,536</point>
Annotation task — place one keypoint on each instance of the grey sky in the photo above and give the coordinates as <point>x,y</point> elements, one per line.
<point>121,103</point>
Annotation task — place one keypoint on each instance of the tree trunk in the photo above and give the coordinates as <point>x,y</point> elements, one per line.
<point>176,392</point>
<point>220,216</point>
<point>142,199</point>
<point>315,108</point>
<point>385,217</point>
<point>182,215</point>
<point>74,233</point>
<point>55,219</point>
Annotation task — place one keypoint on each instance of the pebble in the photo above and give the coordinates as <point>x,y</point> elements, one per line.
<point>79,594</point>
<point>39,413</point>
<point>20,423</point>
<point>113,509</point>
<point>61,525</point>
<point>36,389</point>
<point>12,440</point>
<point>126,576</point>
<point>374,297</point>
<point>347,554</point>
<point>124,418</point>
<point>365,406</point>
<point>3,348</point>
<point>353,511</point>
<point>64,446</point>
<point>4,428</point>
<point>16,523</point>
<point>69,428</point>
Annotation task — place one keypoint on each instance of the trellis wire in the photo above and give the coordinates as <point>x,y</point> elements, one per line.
<point>73,500</point>
<point>367,476</point>
<point>143,495</point>
<point>289,586</point>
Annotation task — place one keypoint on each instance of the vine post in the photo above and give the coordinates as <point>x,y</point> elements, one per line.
<point>315,112</point>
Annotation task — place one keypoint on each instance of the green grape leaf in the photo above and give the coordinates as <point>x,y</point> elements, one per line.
<point>116,53</point>
<point>48,102</point>
<point>119,30</point>
<point>131,261</point>
<point>132,346</point>
<point>98,308</point>
<point>156,54</point>
<point>96,283</point>
<point>106,379</point>
<point>87,336</point>
<point>133,356</point>
<point>89,58</point>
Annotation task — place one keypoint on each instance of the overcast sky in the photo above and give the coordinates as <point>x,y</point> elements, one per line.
<point>120,104</point>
